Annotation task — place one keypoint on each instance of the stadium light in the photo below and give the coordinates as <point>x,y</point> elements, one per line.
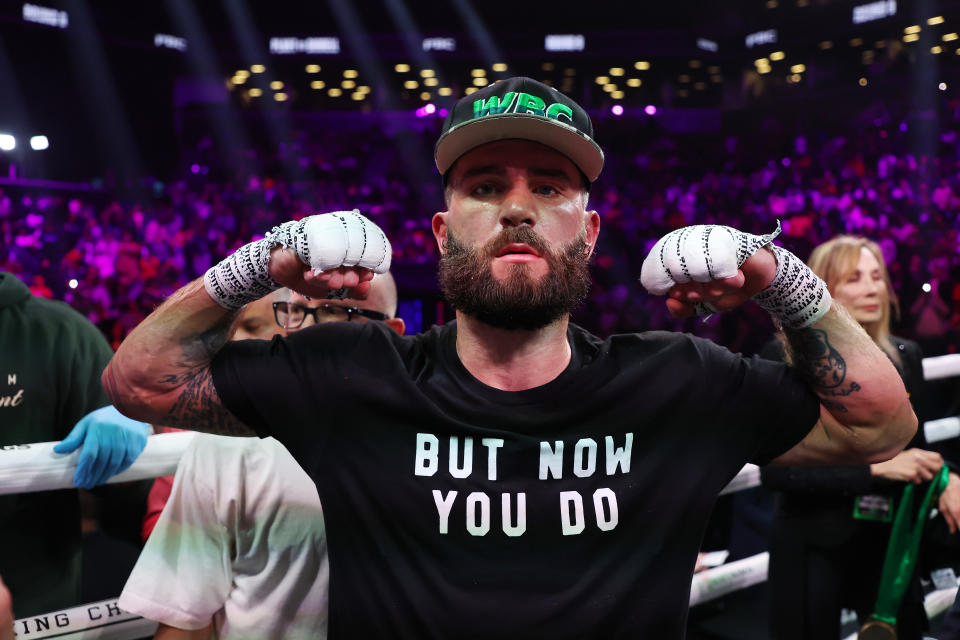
<point>7,142</point>
<point>39,143</point>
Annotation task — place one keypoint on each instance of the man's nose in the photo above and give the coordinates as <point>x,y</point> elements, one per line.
<point>518,207</point>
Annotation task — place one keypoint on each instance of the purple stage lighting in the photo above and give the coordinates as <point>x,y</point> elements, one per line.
<point>650,110</point>
<point>617,110</point>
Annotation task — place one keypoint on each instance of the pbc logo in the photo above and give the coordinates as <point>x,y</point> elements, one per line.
<point>514,102</point>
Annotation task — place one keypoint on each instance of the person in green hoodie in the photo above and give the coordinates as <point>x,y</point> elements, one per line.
<point>51,358</point>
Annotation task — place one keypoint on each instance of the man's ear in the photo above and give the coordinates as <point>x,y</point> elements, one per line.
<point>397,324</point>
<point>592,231</point>
<point>440,230</point>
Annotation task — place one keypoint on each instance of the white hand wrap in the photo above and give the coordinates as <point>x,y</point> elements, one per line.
<point>323,242</point>
<point>797,297</point>
<point>703,253</point>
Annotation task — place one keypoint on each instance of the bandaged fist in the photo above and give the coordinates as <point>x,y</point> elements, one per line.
<point>314,256</point>
<point>709,268</point>
<point>704,268</point>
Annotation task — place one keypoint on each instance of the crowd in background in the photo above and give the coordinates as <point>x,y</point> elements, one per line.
<point>115,257</point>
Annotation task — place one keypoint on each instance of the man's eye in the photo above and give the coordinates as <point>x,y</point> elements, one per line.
<point>547,190</point>
<point>484,189</point>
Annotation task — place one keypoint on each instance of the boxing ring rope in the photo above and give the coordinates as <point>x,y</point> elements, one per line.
<point>26,468</point>
<point>35,467</point>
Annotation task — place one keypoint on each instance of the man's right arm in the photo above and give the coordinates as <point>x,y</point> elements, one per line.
<point>161,372</point>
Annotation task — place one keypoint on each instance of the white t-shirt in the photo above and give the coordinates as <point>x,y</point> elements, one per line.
<point>240,542</point>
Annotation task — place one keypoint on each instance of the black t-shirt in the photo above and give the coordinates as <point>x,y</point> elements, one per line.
<point>455,510</point>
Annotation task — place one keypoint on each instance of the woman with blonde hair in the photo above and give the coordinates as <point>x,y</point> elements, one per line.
<point>832,524</point>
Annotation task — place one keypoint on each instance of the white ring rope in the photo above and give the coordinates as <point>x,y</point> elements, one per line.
<point>35,467</point>
<point>939,367</point>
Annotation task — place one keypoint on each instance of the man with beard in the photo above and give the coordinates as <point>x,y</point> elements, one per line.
<point>508,474</point>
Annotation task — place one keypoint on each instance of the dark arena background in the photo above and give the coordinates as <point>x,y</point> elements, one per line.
<point>141,142</point>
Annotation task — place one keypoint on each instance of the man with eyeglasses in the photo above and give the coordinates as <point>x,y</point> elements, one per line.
<point>380,305</point>
<point>509,475</point>
<point>239,549</point>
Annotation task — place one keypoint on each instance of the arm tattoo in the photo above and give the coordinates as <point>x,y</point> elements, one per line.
<point>199,407</point>
<point>200,348</point>
<point>822,366</point>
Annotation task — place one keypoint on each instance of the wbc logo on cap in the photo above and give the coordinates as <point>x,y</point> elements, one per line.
<point>518,102</point>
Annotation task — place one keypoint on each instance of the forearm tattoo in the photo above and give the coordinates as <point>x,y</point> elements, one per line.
<point>822,366</point>
<point>198,406</point>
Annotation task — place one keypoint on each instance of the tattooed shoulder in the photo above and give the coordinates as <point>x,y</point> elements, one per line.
<point>199,407</point>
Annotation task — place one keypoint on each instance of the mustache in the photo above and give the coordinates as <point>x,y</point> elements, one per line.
<point>516,235</point>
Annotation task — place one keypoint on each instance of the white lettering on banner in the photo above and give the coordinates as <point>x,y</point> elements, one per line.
<point>483,526</point>
<point>510,529</point>
<point>604,523</point>
<point>428,455</point>
<point>551,460</point>
<point>467,468</point>
<point>583,464</point>
<point>11,379</point>
<point>584,467</point>
<point>427,460</point>
<point>874,11</point>
<point>619,457</point>
<point>492,444</point>
<point>46,15</point>
<point>478,513</point>
<point>769,36</point>
<point>443,508</point>
<point>571,504</point>
<point>572,520</point>
<point>585,457</point>
<point>439,44</point>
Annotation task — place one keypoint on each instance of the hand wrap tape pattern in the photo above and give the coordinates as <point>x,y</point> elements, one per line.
<point>323,242</point>
<point>703,253</point>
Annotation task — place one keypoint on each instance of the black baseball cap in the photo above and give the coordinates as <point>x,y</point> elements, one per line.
<point>519,108</point>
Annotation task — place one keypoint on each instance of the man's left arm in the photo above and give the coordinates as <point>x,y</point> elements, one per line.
<point>865,412</point>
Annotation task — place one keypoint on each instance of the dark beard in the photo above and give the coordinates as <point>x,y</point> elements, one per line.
<point>518,302</point>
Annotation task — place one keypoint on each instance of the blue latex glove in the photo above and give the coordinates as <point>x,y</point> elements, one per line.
<point>111,442</point>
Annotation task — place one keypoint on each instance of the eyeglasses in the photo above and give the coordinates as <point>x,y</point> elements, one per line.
<point>292,316</point>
